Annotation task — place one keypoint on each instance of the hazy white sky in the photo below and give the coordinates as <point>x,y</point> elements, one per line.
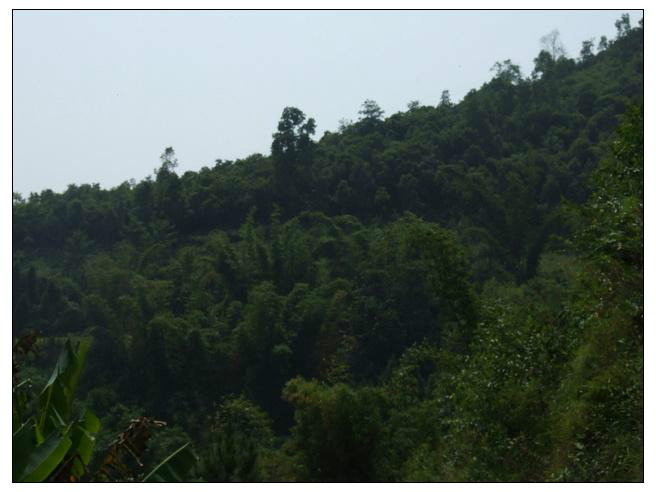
<point>98,95</point>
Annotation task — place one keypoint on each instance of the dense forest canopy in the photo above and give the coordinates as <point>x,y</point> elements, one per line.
<point>449,293</point>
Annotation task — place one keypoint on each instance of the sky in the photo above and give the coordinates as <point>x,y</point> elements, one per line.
<point>98,95</point>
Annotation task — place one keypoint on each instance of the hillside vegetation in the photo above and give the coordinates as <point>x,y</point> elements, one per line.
<point>450,293</point>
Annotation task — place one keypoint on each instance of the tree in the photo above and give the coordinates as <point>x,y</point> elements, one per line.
<point>445,99</point>
<point>344,196</point>
<point>168,187</point>
<point>408,189</point>
<point>291,152</point>
<point>344,124</point>
<point>382,201</point>
<point>586,50</point>
<point>371,111</point>
<point>168,158</point>
<point>339,431</point>
<point>293,137</point>
<point>544,63</point>
<point>239,432</point>
<point>614,217</point>
<point>598,416</point>
<point>412,105</point>
<point>552,44</point>
<point>603,44</point>
<point>507,71</point>
<point>623,26</point>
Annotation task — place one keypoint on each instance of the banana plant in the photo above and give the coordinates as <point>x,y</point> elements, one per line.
<point>49,445</point>
<point>49,442</point>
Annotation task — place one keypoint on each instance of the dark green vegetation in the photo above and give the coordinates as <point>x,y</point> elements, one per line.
<point>49,444</point>
<point>451,293</point>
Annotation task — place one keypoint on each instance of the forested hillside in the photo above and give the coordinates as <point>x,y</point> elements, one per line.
<point>450,293</point>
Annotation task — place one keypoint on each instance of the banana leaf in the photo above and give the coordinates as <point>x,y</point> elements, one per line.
<point>56,399</point>
<point>45,458</point>
<point>83,441</point>
<point>22,444</point>
<point>175,467</point>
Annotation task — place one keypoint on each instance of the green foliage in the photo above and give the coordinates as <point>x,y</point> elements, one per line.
<point>449,293</point>
<point>600,402</point>
<point>173,467</point>
<point>239,435</point>
<point>371,110</point>
<point>51,443</point>
<point>338,432</point>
